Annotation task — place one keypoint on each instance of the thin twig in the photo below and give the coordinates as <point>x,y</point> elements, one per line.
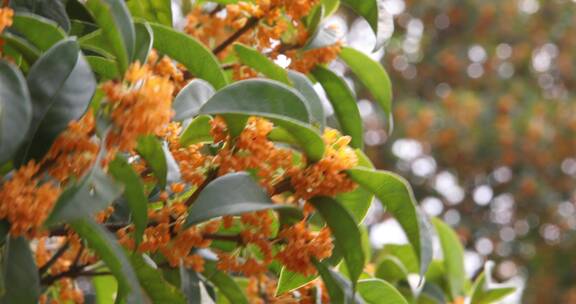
<point>54,258</point>
<point>252,22</point>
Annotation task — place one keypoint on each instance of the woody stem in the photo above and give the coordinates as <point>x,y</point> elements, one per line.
<point>252,22</point>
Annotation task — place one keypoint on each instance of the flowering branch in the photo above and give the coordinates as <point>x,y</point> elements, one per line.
<point>252,22</point>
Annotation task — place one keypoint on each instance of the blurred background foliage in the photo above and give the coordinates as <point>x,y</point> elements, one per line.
<point>485,122</point>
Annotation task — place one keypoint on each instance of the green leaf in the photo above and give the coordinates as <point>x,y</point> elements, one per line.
<point>314,18</point>
<point>106,288</point>
<point>104,67</point>
<point>134,194</point>
<point>358,201</point>
<point>324,36</point>
<point>144,41</point>
<point>347,236</point>
<point>339,288</point>
<point>61,86</point>
<point>281,104</point>
<point>189,100</point>
<point>376,291</point>
<point>150,149</point>
<point>224,283</point>
<point>344,103</point>
<point>453,257</point>
<point>156,287</point>
<point>377,16</point>
<point>197,131</point>
<point>29,52</point>
<point>289,281</point>
<point>15,110</point>
<point>194,55</point>
<point>192,287</point>
<point>391,269</point>
<point>330,6</point>
<point>397,197</point>
<point>41,32</point>
<point>93,193</point>
<point>117,28</point>
<point>158,11</point>
<point>261,63</point>
<point>21,280</point>
<point>53,10</point>
<point>107,248</point>
<point>96,42</point>
<point>374,77</point>
<point>306,88</point>
<point>233,194</point>
<point>484,291</point>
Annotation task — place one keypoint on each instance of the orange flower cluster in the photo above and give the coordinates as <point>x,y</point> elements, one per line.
<point>326,177</point>
<point>305,61</point>
<point>25,201</point>
<point>253,151</point>
<point>74,151</point>
<point>302,246</point>
<point>192,163</point>
<point>140,106</point>
<point>6,15</point>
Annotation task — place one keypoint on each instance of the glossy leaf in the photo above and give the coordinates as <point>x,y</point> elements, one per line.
<point>453,257</point>
<point>397,197</point>
<point>261,63</point>
<point>117,28</point>
<point>21,280</point>
<point>144,40</point>
<point>150,149</point>
<point>376,291</point>
<point>194,55</point>
<point>158,11</point>
<point>107,248</point>
<point>189,100</point>
<point>233,194</point>
<point>224,283</point>
<point>134,194</point>
<point>92,194</point>
<point>347,236</point>
<point>15,110</point>
<point>306,88</point>
<point>374,77</point>
<point>104,67</point>
<point>377,16</point>
<point>61,86</point>
<point>53,10</point>
<point>41,32</point>
<point>344,103</point>
<point>339,288</point>
<point>289,281</point>
<point>197,131</point>
<point>156,287</point>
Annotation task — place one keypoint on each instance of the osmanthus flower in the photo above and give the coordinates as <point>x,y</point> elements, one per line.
<point>6,15</point>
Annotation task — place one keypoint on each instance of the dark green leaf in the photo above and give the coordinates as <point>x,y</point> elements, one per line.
<point>344,103</point>
<point>104,67</point>
<point>154,284</point>
<point>453,257</point>
<point>373,75</point>
<point>197,131</point>
<point>150,149</point>
<point>144,41</point>
<point>61,86</point>
<point>93,193</point>
<point>194,55</point>
<point>96,42</point>
<point>358,201</point>
<point>376,291</point>
<point>107,248</point>
<point>306,88</point>
<point>189,100</point>
<point>29,52</point>
<point>51,9</point>
<point>133,193</point>
<point>21,281</point>
<point>41,32</point>
<point>377,16</point>
<point>314,18</point>
<point>347,236</point>
<point>233,194</point>
<point>397,197</point>
<point>193,287</point>
<point>261,63</point>
<point>117,28</point>
<point>391,270</point>
<point>224,283</point>
<point>158,11</point>
<point>289,281</point>
<point>484,291</point>
<point>339,288</point>
<point>15,110</point>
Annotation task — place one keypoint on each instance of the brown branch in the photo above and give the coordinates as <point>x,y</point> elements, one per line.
<point>251,23</point>
<point>73,272</point>
<point>54,258</point>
